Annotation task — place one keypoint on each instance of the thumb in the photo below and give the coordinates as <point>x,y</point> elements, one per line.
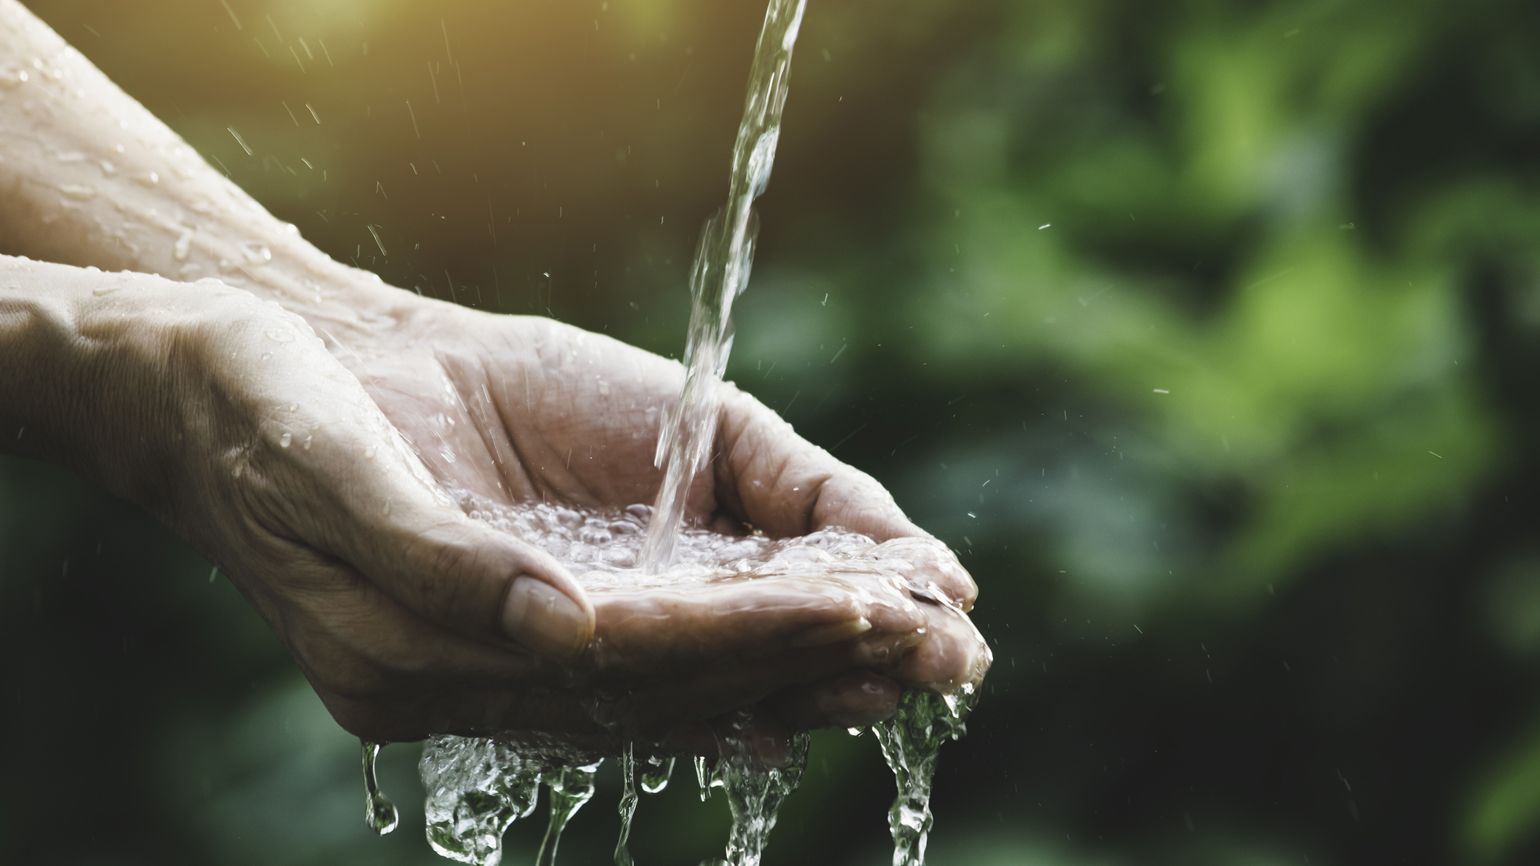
<point>480,581</point>
<point>357,490</point>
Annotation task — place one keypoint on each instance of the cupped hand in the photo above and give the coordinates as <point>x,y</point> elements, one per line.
<point>408,617</point>
<point>514,409</point>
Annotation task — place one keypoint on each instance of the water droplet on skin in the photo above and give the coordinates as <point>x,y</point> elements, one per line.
<point>12,77</point>
<point>280,335</point>
<point>256,254</point>
<point>286,439</point>
<point>79,192</point>
<point>183,244</point>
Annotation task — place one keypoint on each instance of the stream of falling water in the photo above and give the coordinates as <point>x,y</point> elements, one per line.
<point>720,273</point>
<point>476,787</point>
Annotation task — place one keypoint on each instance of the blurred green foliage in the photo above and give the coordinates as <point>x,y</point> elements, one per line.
<point>1208,333</point>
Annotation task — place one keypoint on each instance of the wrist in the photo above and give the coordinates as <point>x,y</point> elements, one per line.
<point>109,386</point>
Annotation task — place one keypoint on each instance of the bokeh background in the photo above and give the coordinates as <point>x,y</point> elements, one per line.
<point>1207,333</point>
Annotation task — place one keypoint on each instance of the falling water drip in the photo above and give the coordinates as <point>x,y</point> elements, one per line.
<point>627,807</point>
<point>720,273</point>
<point>702,778</point>
<point>754,793</point>
<point>476,789</point>
<point>379,813</point>
<point>655,777</point>
<point>911,742</point>
<point>569,789</point>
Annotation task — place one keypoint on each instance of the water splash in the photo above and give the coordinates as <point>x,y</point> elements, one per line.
<point>911,742</point>
<point>723,259</point>
<point>569,788</point>
<point>379,813</point>
<point>754,794</point>
<point>476,789</point>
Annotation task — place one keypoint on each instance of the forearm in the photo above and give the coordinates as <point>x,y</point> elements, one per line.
<point>89,177</point>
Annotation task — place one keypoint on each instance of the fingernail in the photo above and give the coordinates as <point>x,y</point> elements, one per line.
<point>544,619</point>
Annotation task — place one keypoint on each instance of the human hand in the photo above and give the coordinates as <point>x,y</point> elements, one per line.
<point>378,607</point>
<point>225,415</point>
<point>516,409</point>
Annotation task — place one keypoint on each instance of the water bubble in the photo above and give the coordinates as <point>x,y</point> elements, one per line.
<point>286,439</point>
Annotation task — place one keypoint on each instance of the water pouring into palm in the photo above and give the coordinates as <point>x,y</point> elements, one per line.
<point>478,787</point>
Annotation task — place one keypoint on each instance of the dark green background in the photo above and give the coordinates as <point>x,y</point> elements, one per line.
<point>1207,333</point>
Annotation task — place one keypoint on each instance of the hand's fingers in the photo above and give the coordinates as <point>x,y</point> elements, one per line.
<point>656,630</point>
<point>851,700</point>
<point>952,652</point>
<point>336,618</point>
<point>932,570</point>
<point>785,485</point>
